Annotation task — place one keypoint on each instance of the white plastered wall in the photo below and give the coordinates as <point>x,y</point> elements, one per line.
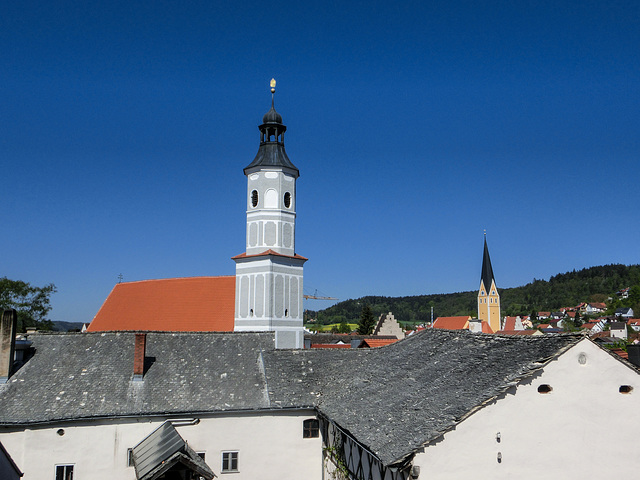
<point>583,428</point>
<point>270,446</point>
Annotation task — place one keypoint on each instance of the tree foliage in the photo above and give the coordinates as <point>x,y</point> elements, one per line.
<point>367,321</point>
<point>32,303</point>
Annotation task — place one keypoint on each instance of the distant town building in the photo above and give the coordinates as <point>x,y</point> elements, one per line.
<point>388,325</point>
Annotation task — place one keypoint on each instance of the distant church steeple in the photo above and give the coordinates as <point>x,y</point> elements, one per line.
<point>488,296</point>
<point>269,273</point>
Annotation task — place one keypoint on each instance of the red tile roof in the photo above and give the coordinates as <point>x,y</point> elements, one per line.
<point>268,252</point>
<point>600,305</point>
<point>510,323</point>
<point>543,325</point>
<point>621,353</point>
<point>196,304</point>
<point>452,323</point>
<point>486,328</point>
<point>375,342</point>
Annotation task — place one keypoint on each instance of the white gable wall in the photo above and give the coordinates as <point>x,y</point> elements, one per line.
<point>270,446</point>
<point>546,435</point>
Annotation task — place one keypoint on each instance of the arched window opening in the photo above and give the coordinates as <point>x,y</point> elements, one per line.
<point>287,200</point>
<point>254,198</point>
<point>311,428</point>
<point>544,388</point>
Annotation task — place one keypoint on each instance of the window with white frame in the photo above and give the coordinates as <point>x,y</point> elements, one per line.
<point>229,462</point>
<point>64,472</point>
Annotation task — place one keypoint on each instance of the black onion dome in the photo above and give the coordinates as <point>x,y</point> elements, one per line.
<point>272,116</point>
<point>271,152</point>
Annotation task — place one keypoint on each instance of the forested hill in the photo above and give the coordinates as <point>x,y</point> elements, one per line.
<point>594,284</point>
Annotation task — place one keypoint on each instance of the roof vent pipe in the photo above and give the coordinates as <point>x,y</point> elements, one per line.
<point>138,356</point>
<point>8,327</point>
<point>634,354</point>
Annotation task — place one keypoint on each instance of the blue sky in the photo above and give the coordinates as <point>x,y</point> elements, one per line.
<point>415,126</point>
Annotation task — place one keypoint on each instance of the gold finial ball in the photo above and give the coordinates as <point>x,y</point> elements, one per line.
<point>273,85</point>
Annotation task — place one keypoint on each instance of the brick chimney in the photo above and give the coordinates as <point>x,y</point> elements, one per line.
<point>8,327</point>
<point>138,356</point>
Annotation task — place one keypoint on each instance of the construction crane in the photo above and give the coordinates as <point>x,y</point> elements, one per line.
<point>316,297</point>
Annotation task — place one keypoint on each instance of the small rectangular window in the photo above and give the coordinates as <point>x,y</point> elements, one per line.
<point>310,428</point>
<point>229,462</point>
<point>64,472</point>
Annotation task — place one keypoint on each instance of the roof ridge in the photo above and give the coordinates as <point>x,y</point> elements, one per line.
<point>174,278</point>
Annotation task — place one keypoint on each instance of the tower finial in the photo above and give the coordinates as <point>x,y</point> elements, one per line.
<point>485,232</point>
<point>272,84</point>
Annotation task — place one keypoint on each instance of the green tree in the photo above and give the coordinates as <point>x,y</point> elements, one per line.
<point>31,303</point>
<point>344,328</point>
<point>367,322</point>
<point>577,321</point>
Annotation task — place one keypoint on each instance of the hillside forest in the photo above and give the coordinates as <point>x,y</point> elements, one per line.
<point>594,284</point>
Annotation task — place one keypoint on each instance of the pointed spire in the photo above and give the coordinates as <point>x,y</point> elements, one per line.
<point>487,271</point>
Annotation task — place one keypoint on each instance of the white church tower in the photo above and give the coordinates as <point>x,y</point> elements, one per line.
<point>269,273</point>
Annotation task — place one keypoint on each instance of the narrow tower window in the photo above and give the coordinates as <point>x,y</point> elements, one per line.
<point>287,200</point>
<point>254,198</point>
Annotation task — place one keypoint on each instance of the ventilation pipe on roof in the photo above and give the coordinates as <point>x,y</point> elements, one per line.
<point>634,354</point>
<point>138,356</point>
<point>8,327</point>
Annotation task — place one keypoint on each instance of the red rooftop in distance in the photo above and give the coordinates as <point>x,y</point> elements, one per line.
<point>194,304</point>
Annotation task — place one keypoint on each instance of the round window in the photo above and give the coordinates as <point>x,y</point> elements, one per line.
<point>287,200</point>
<point>254,198</point>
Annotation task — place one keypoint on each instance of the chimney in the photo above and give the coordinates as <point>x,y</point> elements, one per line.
<point>634,354</point>
<point>8,329</point>
<point>138,356</point>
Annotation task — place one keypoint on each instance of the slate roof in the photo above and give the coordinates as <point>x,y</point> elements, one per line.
<point>88,375</point>
<point>445,375</point>
<point>193,304</point>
